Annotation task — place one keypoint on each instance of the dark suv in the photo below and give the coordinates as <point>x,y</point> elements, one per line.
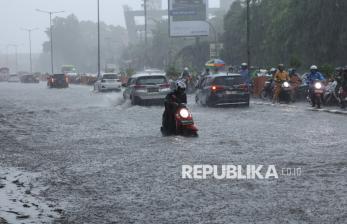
<point>58,81</point>
<point>222,89</point>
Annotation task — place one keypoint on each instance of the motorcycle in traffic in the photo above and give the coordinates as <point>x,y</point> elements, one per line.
<point>330,96</point>
<point>342,95</point>
<point>285,94</point>
<point>316,92</point>
<point>267,92</point>
<point>184,123</point>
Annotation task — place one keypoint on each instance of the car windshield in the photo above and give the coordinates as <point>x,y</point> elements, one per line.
<point>59,76</point>
<point>110,76</point>
<point>151,80</point>
<point>228,80</point>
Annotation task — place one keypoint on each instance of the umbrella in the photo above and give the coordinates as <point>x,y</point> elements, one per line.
<point>215,63</point>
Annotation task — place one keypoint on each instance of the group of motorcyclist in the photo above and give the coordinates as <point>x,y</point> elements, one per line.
<point>279,76</point>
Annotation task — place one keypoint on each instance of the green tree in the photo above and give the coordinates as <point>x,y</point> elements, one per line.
<point>75,42</point>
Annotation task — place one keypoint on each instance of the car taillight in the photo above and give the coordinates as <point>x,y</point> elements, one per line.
<point>139,87</point>
<point>165,86</point>
<point>216,88</point>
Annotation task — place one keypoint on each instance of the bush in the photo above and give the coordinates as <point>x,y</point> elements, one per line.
<point>327,70</point>
<point>172,72</point>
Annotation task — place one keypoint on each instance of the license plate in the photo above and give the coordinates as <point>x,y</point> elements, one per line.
<point>230,92</point>
<point>152,90</point>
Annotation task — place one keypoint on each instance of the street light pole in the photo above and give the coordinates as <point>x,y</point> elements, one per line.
<point>215,37</point>
<point>248,35</point>
<point>146,22</point>
<point>30,58</point>
<point>51,32</point>
<point>99,39</point>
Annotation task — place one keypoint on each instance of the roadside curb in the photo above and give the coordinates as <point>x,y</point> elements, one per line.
<point>332,111</point>
<point>329,111</point>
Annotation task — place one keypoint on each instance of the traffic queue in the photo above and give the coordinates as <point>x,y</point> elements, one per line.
<point>216,86</point>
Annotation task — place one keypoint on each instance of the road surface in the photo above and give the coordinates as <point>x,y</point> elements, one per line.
<point>97,159</point>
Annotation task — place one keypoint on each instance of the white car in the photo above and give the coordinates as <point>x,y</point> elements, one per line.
<point>148,87</point>
<point>13,78</point>
<point>108,82</point>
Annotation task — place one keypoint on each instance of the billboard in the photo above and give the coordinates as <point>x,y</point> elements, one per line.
<point>187,18</point>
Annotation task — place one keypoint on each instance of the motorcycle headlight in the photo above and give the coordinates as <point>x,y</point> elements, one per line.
<point>286,84</point>
<point>318,85</point>
<point>184,113</point>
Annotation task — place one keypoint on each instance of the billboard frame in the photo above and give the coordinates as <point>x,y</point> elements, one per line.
<point>186,36</point>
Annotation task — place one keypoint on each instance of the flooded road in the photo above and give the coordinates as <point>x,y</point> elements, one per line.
<point>104,161</point>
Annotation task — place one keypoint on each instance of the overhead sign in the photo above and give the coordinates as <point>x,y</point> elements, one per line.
<point>187,18</point>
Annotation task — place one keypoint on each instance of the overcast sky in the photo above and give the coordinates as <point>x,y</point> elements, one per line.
<point>15,14</point>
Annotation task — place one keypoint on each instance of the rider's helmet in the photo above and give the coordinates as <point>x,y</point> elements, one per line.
<point>244,65</point>
<point>280,67</point>
<point>292,71</point>
<point>313,68</point>
<point>180,86</point>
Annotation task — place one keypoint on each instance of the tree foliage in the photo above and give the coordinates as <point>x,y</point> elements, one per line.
<point>161,51</point>
<point>283,31</point>
<point>75,42</point>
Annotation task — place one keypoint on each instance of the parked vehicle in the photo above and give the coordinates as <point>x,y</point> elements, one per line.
<point>223,89</point>
<point>149,87</point>
<point>184,122</point>
<point>108,82</point>
<point>58,81</point>
<point>29,79</point>
<point>13,78</point>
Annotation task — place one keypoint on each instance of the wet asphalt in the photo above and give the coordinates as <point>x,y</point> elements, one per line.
<point>105,161</point>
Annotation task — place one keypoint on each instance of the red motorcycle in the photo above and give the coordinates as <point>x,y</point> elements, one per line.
<point>184,122</point>
<point>316,92</point>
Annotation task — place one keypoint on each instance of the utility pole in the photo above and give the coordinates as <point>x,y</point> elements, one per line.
<point>146,22</point>
<point>51,32</point>
<point>215,38</point>
<point>30,58</point>
<point>99,39</point>
<point>248,35</point>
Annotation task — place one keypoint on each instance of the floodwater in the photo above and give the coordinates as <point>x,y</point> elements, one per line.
<point>101,160</point>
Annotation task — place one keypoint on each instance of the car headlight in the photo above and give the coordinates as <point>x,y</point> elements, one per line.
<point>318,85</point>
<point>286,84</point>
<point>184,113</point>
